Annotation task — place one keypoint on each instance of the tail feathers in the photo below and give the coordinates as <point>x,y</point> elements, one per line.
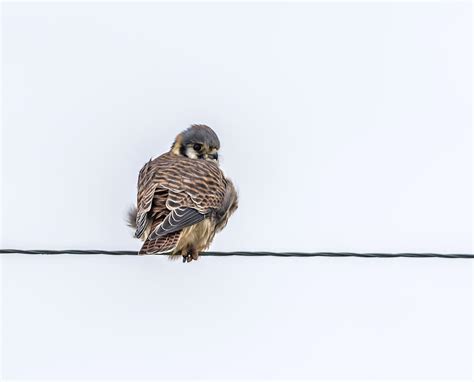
<point>132,217</point>
<point>155,246</point>
<point>161,244</point>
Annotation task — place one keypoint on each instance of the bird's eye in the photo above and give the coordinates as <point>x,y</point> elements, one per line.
<point>197,147</point>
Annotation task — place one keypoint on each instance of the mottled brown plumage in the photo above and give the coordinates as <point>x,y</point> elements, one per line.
<point>183,197</point>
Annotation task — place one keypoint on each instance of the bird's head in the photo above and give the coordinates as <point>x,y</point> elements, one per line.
<point>197,142</point>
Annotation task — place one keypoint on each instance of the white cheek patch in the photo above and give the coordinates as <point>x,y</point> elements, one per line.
<point>190,153</point>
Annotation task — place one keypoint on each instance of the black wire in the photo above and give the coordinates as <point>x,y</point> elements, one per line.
<point>240,253</point>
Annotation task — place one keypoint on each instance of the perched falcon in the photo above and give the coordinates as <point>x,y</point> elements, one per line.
<point>183,197</point>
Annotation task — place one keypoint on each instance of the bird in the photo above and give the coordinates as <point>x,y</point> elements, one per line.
<point>183,197</point>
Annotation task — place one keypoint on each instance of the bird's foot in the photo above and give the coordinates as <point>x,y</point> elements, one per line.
<point>190,256</point>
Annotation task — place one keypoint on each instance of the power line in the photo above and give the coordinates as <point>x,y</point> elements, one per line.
<point>243,253</point>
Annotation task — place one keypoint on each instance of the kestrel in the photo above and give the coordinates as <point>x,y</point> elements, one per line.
<point>183,197</point>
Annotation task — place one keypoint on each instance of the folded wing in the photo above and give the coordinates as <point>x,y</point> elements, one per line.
<point>175,192</point>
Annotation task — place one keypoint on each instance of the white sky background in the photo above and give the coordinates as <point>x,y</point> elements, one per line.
<point>346,127</point>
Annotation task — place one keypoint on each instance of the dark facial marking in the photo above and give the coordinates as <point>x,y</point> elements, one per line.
<point>182,150</point>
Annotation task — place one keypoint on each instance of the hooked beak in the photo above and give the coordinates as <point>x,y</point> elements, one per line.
<point>214,156</point>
